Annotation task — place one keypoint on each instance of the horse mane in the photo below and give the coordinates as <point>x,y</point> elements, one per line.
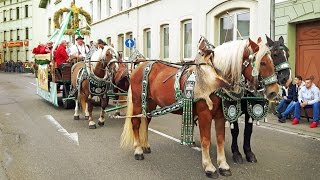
<point>263,50</point>
<point>228,59</point>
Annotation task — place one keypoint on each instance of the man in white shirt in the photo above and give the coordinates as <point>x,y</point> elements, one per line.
<point>79,49</point>
<point>308,97</point>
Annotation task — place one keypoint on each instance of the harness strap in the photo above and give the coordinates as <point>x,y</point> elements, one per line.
<point>145,83</point>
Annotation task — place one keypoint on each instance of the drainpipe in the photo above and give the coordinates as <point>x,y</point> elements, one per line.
<point>272,19</point>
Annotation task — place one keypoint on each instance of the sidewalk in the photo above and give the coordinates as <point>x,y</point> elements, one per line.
<point>302,128</point>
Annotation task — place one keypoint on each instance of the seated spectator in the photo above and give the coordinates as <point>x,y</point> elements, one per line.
<point>308,97</point>
<point>285,100</point>
<point>293,95</point>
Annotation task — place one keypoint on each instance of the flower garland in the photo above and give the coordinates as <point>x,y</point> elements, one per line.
<point>73,26</point>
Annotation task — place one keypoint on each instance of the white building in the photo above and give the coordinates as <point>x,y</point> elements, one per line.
<point>49,7</point>
<point>170,29</point>
<point>16,30</point>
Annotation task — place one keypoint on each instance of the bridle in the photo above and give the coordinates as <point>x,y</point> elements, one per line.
<point>255,75</point>
<point>284,65</point>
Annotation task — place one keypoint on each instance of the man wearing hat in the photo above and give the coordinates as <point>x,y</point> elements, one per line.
<point>79,49</point>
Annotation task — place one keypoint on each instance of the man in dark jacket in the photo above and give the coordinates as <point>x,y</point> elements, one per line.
<point>293,96</point>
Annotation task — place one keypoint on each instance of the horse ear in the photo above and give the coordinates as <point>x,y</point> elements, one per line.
<point>259,40</point>
<point>281,40</point>
<point>253,45</point>
<point>269,41</point>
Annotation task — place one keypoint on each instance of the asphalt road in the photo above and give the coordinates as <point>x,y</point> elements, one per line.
<point>38,141</point>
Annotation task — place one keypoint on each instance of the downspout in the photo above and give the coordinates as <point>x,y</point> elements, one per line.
<point>272,19</point>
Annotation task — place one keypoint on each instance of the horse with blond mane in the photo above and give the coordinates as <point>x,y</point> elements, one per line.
<point>93,79</point>
<point>153,85</point>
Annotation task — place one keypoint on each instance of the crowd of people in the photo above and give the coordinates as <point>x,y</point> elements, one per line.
<point>301,95</point>
<point>16,66</point>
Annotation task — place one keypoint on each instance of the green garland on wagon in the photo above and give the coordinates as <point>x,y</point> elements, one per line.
<point>74,22</point>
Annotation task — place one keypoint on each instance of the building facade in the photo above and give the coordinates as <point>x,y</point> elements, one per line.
<point>298,21</point>
<point>15,29</point>
<point>170,30</point>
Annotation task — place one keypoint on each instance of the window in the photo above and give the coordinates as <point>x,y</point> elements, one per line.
<point>27,33</point>
<point>49,27</point>
<point>11,35</point>
<point>26,8</point>
<point>11,53</point>
<point>165,41</point>
<point>108,8</point>
<point>17,13</point>
<point>120,2</point>
<point>4,16</point>
<point>147,43</point>
<point>128,3</point>
<point>229,24</point>
<point>10,14</point>
<point>187,39</point>
<point>128,50</point>
<point>4,35</point>
<point>18,55</point>
<point>109,41</point>
<point>120,43</point>
<point>18,35</point>
<point>99,10</point>
<point>27,52</point>
<point>10,1</point>
<point>91,7</point>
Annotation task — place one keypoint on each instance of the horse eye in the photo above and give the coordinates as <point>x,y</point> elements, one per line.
<point>263,63</point>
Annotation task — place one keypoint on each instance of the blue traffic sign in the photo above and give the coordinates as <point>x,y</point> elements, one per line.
<point>129,43</point>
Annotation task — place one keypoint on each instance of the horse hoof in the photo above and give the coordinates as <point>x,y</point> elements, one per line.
<point>225,172</point>
<point>213,175</point>
<point>93,127</point>
<point>139,156</point>
<point>101,124</point>
<point>237,158</point>
<point>76,117</point>
<point>251,157</point>
<point>147,150</point>
<point>86,117</point>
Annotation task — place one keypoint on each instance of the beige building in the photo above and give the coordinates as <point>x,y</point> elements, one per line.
<point>16,30</point>
<point>170,29</point>
<point>298,21</point>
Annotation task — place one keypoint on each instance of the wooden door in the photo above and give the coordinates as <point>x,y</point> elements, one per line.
<point>308,50</point>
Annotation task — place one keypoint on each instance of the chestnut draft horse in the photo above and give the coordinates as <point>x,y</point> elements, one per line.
<point>279,54</point>
<point>122,77</point>
<point>98,71</point>
<point>161,93</point>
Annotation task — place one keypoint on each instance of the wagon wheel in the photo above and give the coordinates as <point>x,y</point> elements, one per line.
<point>68,104</point>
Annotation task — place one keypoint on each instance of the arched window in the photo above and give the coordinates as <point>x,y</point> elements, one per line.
<point>234,25</point>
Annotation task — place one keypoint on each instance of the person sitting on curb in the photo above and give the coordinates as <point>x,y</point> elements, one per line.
<point>293,96</point>
<point>308,97</point>
<point>285,101</point>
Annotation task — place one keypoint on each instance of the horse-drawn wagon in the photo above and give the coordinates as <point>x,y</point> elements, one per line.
<point>52,85</point>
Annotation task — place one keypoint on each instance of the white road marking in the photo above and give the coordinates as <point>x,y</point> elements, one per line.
<point>72,136</point>
<point>171,138</point>
<point>33,83</point>
<point>8,114</point>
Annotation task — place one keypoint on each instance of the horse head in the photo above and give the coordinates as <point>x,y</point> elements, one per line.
<point>258,69</point>
<point>280,55</point>
<point>108,60</point>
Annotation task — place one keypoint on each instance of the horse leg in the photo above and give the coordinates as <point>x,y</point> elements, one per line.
<point>224,168</point>
<point>87,114</point>
<point>236,155</point>
<point>92,124</point>
<point>146,148</point>
<point>104,103</point>
<point>76,109</point>
<point>138,151</point>
<point>205,120</point>
<point>247,139</point>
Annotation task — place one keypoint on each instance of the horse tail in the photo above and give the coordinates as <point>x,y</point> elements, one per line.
<point>83,102</point>
<point>127,133</point>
